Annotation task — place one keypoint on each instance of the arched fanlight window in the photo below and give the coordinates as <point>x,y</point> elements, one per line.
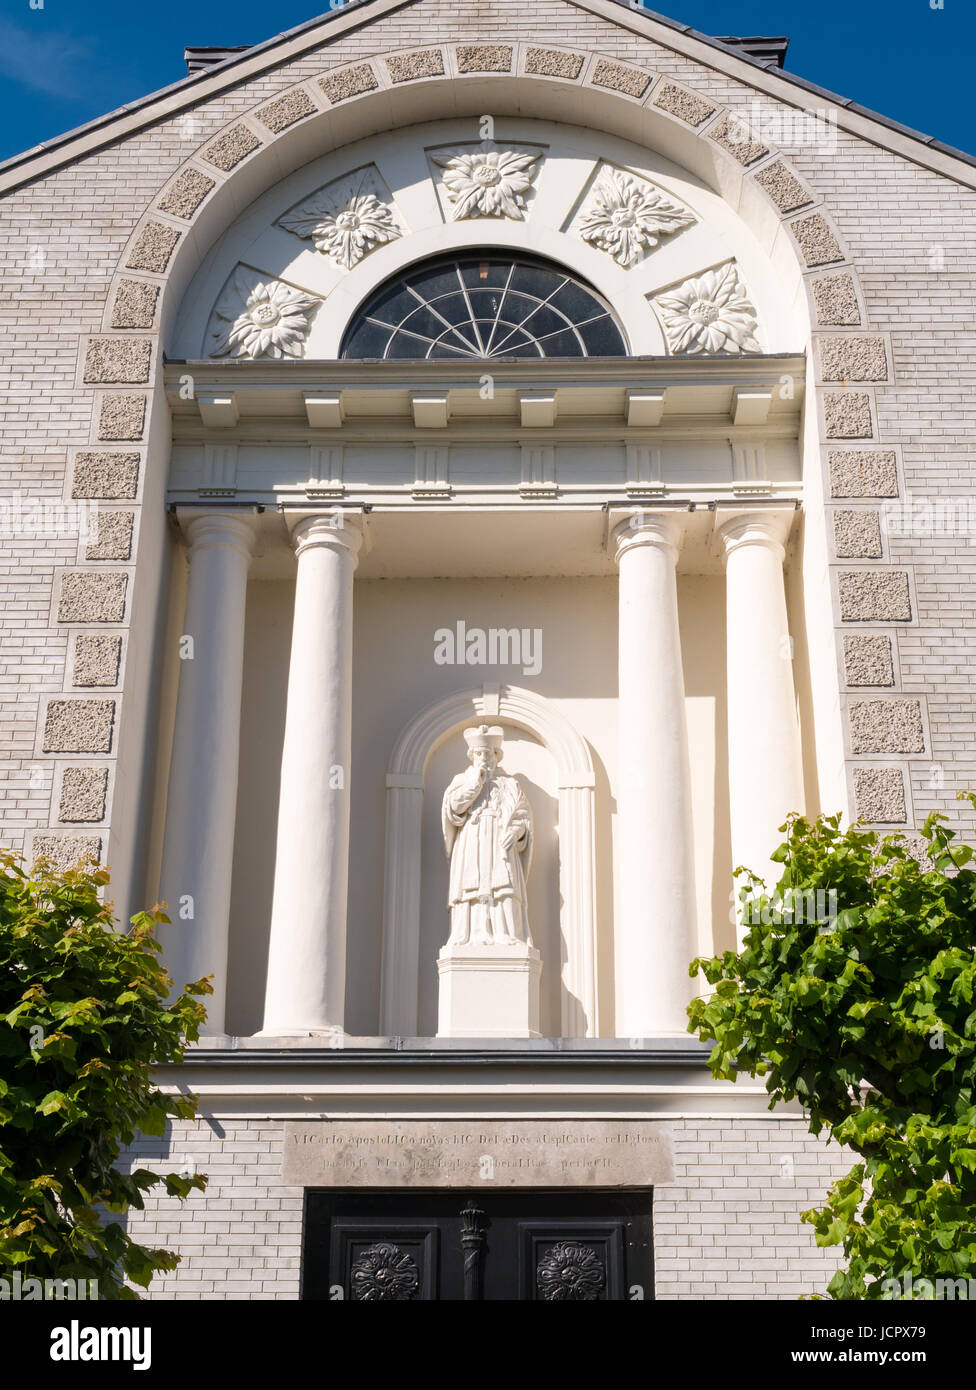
<point>484,304</point>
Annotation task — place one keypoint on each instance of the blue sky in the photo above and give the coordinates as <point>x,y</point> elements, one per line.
<point>64,62</point>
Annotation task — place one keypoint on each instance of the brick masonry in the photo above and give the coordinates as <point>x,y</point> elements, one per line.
<point>728,1226</point>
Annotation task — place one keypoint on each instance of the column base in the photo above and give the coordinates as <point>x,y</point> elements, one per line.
<point>489,991</point>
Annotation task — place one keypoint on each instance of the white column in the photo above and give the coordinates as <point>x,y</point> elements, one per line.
<point>307,949</point>
<point>198,850</point>
<point>765,770</point>
<point>655,937</point>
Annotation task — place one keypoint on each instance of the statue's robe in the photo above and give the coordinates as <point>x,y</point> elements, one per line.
<point>487,897</point>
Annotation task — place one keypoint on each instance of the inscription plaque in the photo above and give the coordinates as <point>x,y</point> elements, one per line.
<point>465,1153</point>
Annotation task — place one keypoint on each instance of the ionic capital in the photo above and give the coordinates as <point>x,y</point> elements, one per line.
<point>661,527</point>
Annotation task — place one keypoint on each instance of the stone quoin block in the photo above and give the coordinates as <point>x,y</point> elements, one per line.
<point>113,537</point>
<point>89,596</point>
<point>105,475</point>
<point>186,193</point>
<point>879,795</point>
<point>98,658</point>
<point>853,359</point>
<point>79,726</point>
<point>874,596</point>
<point>484,57</point>
<point>83,794</point>
<point>868,659</point>
<point>229,149</point>
<point>66,851</point>
<point>685,105</point>
<point>857,534</point>
<point>285,111</point>
<point>863,473</point>
<point>349,82</point>
<point>816,240</point>
<point>553,62</point>
<point>835,301</point>
<point>617,78</point>
<point>121,417</point>
<point>153,248</point>
<point>135,304</point>
<point>847,415</point>
<point>733,135</point>
<point>407,67</point>
<point>886,726</point>
<point>122,361</point>
<point>786,191</point>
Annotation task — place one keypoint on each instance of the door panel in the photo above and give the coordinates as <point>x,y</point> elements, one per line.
<point>442,1246</point>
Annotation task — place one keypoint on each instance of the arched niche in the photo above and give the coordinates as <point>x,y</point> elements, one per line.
<point>405,780</point>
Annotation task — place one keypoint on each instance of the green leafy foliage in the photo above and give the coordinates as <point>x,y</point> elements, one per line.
<point>84,1016</point>
<point>868,1019</point>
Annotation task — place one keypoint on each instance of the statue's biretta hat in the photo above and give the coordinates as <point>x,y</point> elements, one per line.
<point>482,736</point>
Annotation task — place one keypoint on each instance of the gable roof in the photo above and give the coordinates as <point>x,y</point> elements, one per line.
<point>723,55</point>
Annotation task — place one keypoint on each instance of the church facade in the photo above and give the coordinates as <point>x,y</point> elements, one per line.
<point>471,473</point>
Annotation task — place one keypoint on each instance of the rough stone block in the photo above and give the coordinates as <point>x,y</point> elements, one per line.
<point>879,795</point>
<point>79,726</point>
<point>112,361</point>
<point>121,417</point>
<point>285,111</point>
<point>816,240</point>
<point>886,726</point>
<point>835,300</point>
<point>553,62</point>
<point>863,473</point>
<point>847,415</point>
<point>484,57</point>
<point>229,149</point>
<point>98,658</point>
<point>135,304</point>
<point>113,538</point>
<point>186,193</point>
<point>733,135</point>
<point>407,67</point>
<point>874,596</point>
<point>91,596</point>
<point>786,191</point>
<point>685,105</point>
<point>857,534</point>
<point>868,659</point>
<point>617,78</point>
<point>349,82</point>
<point>114,477</point>
<point>67,850</point>
<point>83,794</point>
<point>853,358</point>
<point>153,248</point>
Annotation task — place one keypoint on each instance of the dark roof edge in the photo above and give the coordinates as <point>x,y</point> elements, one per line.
<point>633,6</point>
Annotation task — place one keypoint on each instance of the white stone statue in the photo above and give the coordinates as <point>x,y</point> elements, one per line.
<point>488,837</point>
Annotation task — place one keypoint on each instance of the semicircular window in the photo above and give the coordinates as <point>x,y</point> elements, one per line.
<point>484,305</point>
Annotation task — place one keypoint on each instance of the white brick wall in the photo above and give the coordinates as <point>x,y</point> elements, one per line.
<point>727,1227</point>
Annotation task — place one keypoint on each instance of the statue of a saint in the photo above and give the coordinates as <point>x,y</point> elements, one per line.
<point>488,836</point>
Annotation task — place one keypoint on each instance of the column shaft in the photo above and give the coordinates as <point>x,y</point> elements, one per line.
<point>195,879</point>
<point>765,770</point>
<point>307,949</point>
<point>655,937</point>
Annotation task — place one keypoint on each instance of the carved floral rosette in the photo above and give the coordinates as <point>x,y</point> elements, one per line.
<point>710,313</point>
<point>384,1273</point>
<point>487,183</point>
<point>626,216</point>
<point>346,219</point>
<point>260,318</point>
<point>568,1272</point>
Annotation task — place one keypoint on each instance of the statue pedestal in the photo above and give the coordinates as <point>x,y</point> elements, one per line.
<point>489,991</point>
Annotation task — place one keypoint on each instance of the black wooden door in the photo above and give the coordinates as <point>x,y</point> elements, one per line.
<point>548,1246</point>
